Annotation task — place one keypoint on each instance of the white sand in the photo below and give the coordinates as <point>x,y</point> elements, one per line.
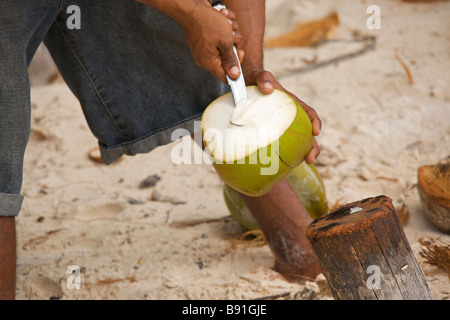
<point>377,130</point>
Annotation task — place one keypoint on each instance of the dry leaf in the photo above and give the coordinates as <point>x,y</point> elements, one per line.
<point>253,238</point>
<point>408,72</point>
<point>387,179</point>
<point>111,280</point>
<point>403,214</point>
<point>305,34</point>
<point>94,154</point>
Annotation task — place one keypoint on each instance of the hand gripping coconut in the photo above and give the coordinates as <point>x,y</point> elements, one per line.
<point>258,142</point>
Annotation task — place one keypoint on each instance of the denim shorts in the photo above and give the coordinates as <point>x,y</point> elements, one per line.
<point>127,63</point>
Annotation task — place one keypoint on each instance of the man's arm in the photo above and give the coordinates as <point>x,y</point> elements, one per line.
<point>251,17</point>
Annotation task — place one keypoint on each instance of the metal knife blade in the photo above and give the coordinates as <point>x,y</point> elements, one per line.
<point>238,88</point>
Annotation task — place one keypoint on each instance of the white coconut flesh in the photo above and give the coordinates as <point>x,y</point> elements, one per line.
<point>234,132</point>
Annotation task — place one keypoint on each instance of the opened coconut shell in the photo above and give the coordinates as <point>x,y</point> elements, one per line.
<point>434,191</point>
<point>257,143</point>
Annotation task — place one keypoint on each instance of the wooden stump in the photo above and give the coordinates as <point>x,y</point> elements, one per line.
<point>364,253</point>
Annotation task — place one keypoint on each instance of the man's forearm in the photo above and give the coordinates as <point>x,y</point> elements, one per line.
<point>250,14</point>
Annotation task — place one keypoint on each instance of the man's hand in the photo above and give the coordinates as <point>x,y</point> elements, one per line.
<point>211,34</point>
<point>211,39</point>
<point>266,84</point>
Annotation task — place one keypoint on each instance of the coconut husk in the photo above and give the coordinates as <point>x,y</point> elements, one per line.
<point>305,34</point>
<point>434,190</point>
<point>436,252</point>
<point>252,238</point>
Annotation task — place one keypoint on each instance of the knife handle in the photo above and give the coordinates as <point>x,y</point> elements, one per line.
<point>216,3</point>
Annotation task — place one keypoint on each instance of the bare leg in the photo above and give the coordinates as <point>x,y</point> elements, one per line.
<point>7,258</point>
<point>283,220</point>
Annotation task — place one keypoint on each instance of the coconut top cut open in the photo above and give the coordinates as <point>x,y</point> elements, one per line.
<point>234,132</point>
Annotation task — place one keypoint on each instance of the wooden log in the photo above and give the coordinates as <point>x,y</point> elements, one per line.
<point>365,255</point>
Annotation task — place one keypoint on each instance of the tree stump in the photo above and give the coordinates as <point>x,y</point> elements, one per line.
<point>364,253</point>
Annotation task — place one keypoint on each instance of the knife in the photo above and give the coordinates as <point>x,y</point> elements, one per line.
<point>238,88</point>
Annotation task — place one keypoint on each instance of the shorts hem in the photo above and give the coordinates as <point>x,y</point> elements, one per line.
<point>10,204</point>
<point>146,144</point>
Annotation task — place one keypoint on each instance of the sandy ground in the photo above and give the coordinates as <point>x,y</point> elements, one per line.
<point>175,240</point>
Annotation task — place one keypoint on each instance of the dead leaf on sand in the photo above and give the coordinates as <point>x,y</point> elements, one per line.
<point>95,155</point>
<point>405,66</point>
<point>305,34</point>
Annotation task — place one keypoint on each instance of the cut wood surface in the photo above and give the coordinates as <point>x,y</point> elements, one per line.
<point>364,253</point>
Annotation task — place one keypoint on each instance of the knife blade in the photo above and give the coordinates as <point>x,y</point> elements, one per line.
<point>238,88</point>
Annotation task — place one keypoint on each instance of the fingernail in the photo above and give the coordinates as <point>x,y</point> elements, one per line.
<point>267,85</point>
<point>234,70</point>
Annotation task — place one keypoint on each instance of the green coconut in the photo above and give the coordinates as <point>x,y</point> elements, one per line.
<point>257,143</point>
<point>307,184</point>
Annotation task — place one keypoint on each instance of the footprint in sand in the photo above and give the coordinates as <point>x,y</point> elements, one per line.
<point>104,211</point>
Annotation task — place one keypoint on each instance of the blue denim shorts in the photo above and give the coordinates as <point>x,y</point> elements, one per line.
<point>128,64</point>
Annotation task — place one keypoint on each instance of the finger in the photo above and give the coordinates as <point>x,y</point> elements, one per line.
<point>313,154</point>
<point>215,68</point>
<point>312,114</point>
<point>315,120</point>
<point>234,25</point>
<point>241,55</point>
<point>238,39</point>
<point>212,65</point>
<point>317,126</point>
<point>219,73</point>
<point>265,82</point>
<point>229,61</point>
<point>228,13</point>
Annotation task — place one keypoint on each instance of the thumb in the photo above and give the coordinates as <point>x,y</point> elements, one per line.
<point>230,62</point>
